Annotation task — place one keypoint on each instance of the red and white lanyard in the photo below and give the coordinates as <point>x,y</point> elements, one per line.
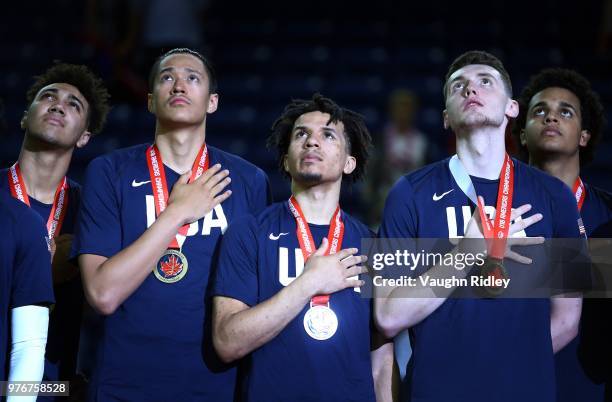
<point>307,245</point>
<point>160,186</point>
<point>497,234</point>
<point>60,201</point>
<point>579,192</point>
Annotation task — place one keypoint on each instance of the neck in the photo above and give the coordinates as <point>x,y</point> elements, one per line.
<point>179,148</point>
<point>42,171</point>
<point>566,169</point>
<point>318,202</point>
<point>482,152</point>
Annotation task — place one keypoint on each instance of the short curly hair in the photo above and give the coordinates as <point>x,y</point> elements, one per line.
<point>359,140</point>
<point>85,81</point>
<point>478,57</point>
<point>591,109</point>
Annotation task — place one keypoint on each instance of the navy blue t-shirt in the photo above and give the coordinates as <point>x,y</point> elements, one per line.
<point>573,384</point>
<point>259,256</point>
<point>65,316</point>
<point>479,349</point>
<point>25,267</point>
<point>156,345</point>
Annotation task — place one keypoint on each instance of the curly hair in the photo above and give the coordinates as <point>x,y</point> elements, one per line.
<point>210,71</point>
<point>358,139</point>
<point>478,57</point>
<point>85,81</point>
<point>591,109</point>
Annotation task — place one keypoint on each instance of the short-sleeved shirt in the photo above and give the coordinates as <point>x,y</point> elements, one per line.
<point>25,267</point>
<point>573,383</point>
<point>65,317</point>
<point>479,349</point>
<point>156,346</point>
<point>259,257</point>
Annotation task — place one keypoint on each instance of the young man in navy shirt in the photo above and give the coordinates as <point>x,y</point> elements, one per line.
<point>25,293</point>
<point>286,294</point>
<point>561,120</point>
<point>495,349</point>
<point>151,218</point>
<point>67,104</point>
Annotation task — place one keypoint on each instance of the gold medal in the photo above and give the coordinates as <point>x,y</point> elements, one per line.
<point>171,267</point>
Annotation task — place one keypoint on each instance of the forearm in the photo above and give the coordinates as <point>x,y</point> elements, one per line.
<point>238,334</point>
<point>564,321</point>
<point>108,284</point>
<point>397,308</point>
<point>382,372</point>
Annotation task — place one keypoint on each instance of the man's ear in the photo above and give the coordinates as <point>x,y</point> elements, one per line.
<point>213,103</point>
<point>585,137</point>
<point>445,119</point>
<point>22,123</point>
<point>512,109</point>
<point>83,139</point>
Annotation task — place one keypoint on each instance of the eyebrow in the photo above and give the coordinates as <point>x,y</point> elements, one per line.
<point>562,104</point>
<point>71,96</point>
<point>462,77</point>
<point>325,128</point>
<point>190,70</point>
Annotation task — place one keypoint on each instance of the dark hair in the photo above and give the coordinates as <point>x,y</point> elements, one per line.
<point>478,57</point>
<point>212,77</point>
<point>591,109</point>
<point>85,81</point>
<point>357,136</point>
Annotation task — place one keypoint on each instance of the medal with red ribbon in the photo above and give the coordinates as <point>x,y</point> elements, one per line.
<point>496,234</point>
<point>172,266</point>
<point>320,321</point>
<point>579,192</point>
<point>60,201</point>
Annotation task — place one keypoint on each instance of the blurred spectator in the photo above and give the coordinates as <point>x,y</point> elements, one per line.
<point>405,146</point>
<point>401,148</point>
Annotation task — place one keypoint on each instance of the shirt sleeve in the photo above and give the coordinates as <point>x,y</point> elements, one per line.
<point>261,192</point>
<point>236,274</point>
<point>98,227</point>
<point>399,214</point>
<point>32,282</point>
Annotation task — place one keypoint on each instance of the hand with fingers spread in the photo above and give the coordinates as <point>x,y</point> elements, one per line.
<point>474,231</point>
<point>327,274</point>
<point>196,199</point>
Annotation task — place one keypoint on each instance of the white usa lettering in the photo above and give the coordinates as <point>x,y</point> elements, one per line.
<point>214,219</point>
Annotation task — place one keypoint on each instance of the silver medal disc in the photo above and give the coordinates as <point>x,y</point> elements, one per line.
<point>320,322</point>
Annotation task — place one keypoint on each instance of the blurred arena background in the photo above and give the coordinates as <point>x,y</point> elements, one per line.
<point>385,59</point>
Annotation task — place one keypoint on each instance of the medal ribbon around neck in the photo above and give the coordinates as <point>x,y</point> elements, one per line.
<point>579,192</point>
<point>160,185</point>
<point>60,201</point>
<point>307,245</point>
<point>497,235</point>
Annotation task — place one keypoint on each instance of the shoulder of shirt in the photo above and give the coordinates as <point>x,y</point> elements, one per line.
<point>235,163</point>
<point>122,155</point>
<point>550,184</point>
<point>18,212</point>
<point>601,194</point>
<point>360,226</point>
<point>411,183</point>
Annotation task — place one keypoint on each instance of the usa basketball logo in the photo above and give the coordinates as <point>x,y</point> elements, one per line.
<point>171,267</point>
